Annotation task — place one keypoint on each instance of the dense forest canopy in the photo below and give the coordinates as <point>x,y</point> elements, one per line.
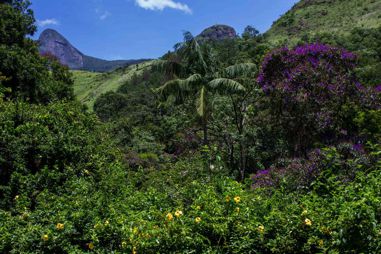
<point>241,145</point>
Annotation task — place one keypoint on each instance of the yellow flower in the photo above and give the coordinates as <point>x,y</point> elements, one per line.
<point>197,220</point>
<point>237,199</point>
<point>124,244</point>
<point>326,230</point>
<point>169,216</point>
<point>45,238</point>
<point>91,246</point>
<point>261,229</point>
<point>178,213</point>
<point>227,199</point>
<point>134,250</point>
<point>17,197</point>
<point>60,226</point>
<point>87,172</point>
<point>107,223</point>
<point>305,212</point>
<point>237,209</point>
<point>135,230</point>
<point>308,222</point>
<point>24,215</point>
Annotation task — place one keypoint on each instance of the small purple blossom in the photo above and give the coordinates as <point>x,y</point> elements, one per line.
<point>264,172</point>
<point>358,147</point>
<point>377,89</point>
<point>359,86</point>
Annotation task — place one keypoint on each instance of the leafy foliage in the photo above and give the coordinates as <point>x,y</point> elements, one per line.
<point>42,147</point>
<point>204,217</point>
<point>302,138</point>
<point>30,76</point>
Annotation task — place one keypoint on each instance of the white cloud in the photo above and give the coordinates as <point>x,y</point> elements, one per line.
<point>162,4</point>
<point>46,22</point>
<point>105,15</point>
<point>102,14</point>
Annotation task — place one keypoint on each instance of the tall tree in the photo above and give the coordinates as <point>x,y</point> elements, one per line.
<point>202,82</point>
<point>245,74</point>
<point>314,93</point>
<point>250,32</point>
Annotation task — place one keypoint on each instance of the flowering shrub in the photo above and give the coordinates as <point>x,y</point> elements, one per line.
<point>344,161</point>
<point>215,216</point>
<point>313,92</point>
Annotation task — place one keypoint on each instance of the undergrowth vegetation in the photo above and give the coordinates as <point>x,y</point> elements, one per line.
<point>222,147</point>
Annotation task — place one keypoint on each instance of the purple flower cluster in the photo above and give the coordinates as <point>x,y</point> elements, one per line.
<point>377,89</point>
<point>313,90</point>
<point>288,70</point>
<point>314,76</point>
<point>301,172</point>
<point>371,97</point>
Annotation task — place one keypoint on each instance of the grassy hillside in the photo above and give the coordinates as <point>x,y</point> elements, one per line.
<point>88,86</point>
<point>330,16</point>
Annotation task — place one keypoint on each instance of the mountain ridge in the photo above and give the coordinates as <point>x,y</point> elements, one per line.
<point>53,43</point>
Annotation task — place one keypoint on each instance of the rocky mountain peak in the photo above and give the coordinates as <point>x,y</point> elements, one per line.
<point>52,42</point>
<point>218,32</point>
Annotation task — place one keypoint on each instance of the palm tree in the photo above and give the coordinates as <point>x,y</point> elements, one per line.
<point>202,83</point>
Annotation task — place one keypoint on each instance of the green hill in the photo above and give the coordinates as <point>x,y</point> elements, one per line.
<point>309,17</point>
<point>88,86</point>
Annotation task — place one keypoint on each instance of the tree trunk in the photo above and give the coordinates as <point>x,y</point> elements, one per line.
<point>205,142</point>
<point>205,130</point>
<point>242,160</point>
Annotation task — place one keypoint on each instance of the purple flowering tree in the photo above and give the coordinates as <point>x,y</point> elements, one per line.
<point>312,89</point>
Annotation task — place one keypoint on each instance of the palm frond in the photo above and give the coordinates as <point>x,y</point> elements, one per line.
<point>202,103</point>
<point>242,69</point>
<point>172,87</point>
<point>226,86</point>
<point>171,67</point>
<point>179,88</point>
<point>200,55</point>
<point>194,79</point>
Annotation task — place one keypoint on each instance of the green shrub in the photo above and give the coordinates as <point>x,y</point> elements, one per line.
<point>44,146</point>
<point>203,215</point>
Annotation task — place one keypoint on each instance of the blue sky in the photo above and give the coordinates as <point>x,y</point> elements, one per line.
<point>130,29</point>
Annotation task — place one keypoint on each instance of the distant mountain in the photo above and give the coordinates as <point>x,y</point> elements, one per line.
<point>339,17</point>
<point>218,33</point>
<point>53,43</point>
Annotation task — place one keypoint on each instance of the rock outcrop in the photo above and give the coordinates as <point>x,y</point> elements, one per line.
<point>53,43</point>
<point>218,33</point>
